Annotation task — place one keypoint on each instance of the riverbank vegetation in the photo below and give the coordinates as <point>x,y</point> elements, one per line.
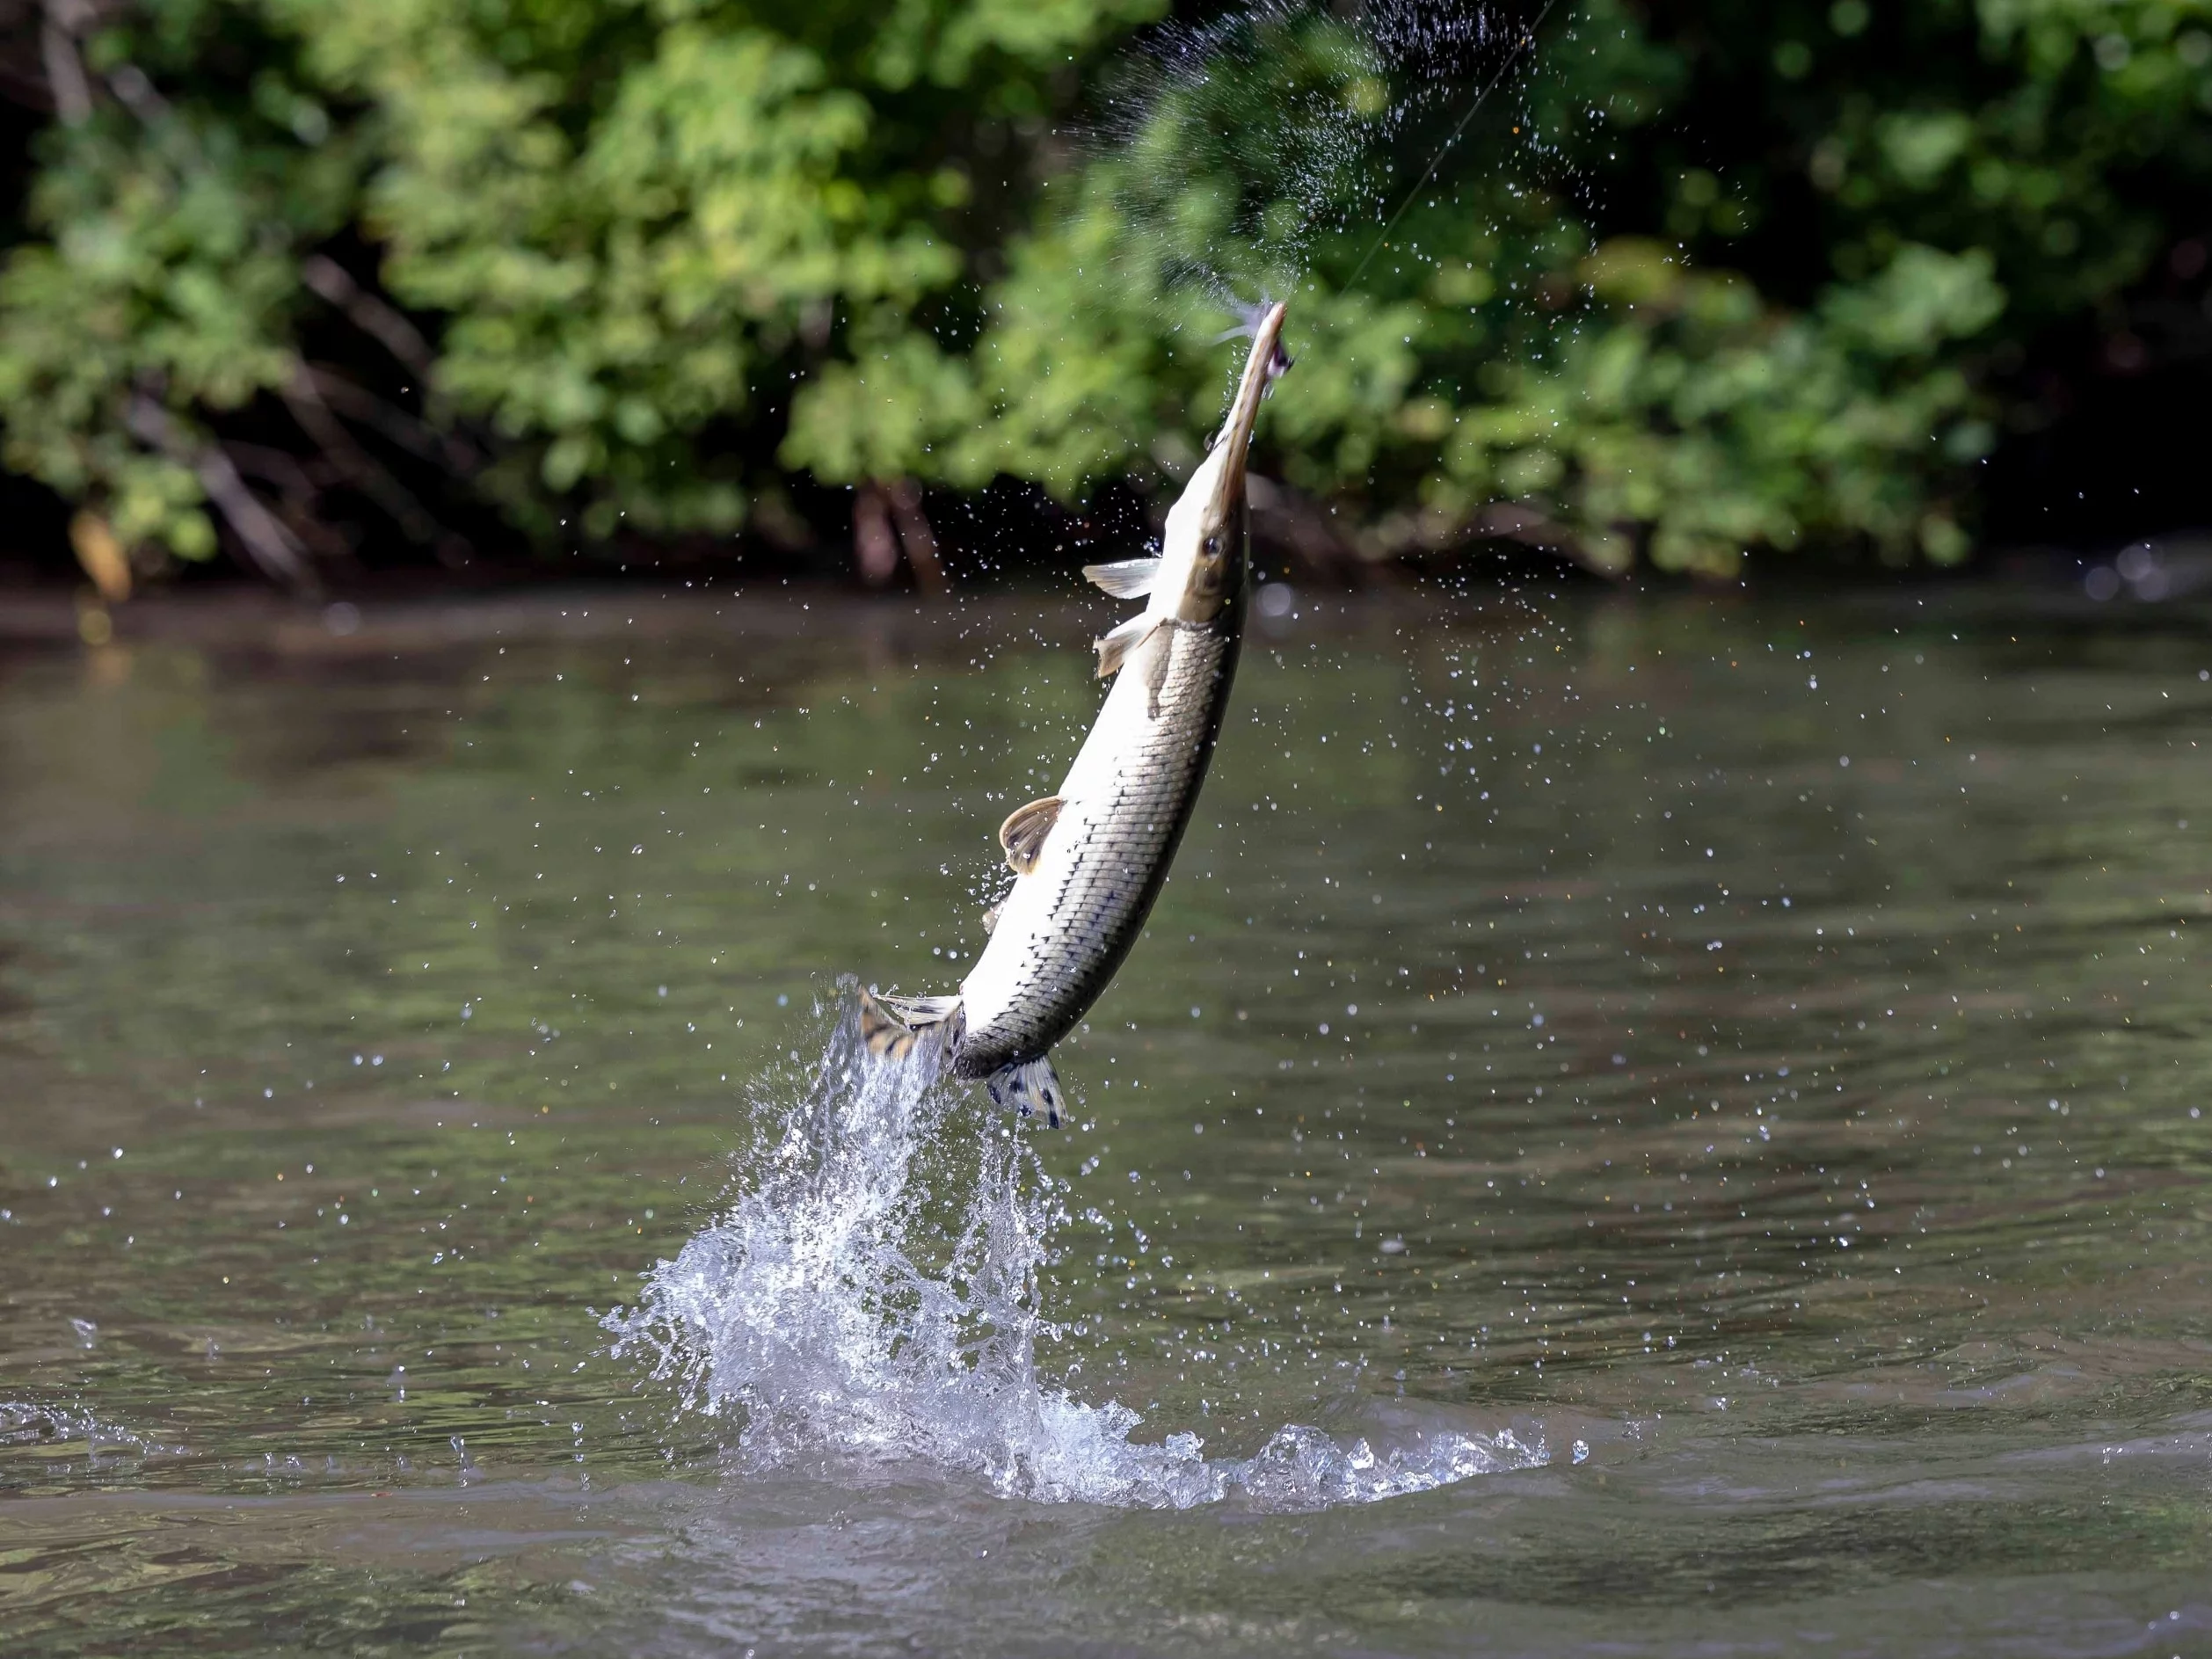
<point>343,284</point>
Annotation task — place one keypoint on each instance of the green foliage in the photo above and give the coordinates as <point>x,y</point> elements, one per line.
<point>169,273</point>
<point>628,227</point>
<point>1739,275</point>
<point>638,218</point>
<point>1511,364</point>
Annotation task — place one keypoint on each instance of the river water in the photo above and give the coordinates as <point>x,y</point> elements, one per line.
<point>1642,1125</point>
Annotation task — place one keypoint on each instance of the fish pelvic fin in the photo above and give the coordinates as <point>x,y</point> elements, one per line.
<point>1114,647</point>
<point>1029,1087</point>
<point>890,1025</point>
<point>1128,578</point>
<point>1023,832</point>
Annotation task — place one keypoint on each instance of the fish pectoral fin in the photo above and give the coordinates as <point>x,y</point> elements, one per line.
<point>1128,578</point>
<point>1023,832</point>
<point>1114,645</point>
<point>991,919</point>
<point>1029,1087</point>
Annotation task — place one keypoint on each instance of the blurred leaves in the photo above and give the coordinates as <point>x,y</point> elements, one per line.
<point>1510,363</point>
<point>1698,280</point>
<point>628,228</point>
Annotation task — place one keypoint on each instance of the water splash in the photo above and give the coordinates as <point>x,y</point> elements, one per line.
<point>873,1295</point>
<point>48,1429</point>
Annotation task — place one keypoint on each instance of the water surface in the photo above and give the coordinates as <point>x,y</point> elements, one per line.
<point>1685,1111</point>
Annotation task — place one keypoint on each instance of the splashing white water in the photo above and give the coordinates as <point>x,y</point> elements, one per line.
<point>875,1294</point>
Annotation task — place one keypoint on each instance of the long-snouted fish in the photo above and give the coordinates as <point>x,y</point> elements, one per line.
<point>1088,862</point>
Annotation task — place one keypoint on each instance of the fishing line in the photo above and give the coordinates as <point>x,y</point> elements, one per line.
<point>1527,40</point>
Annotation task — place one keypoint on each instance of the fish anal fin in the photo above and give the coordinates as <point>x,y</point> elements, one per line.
<point>1023,832</point>
<point>881,1032</point>
<point>890,1025</point>
<point>1029,1087</point>
<point>1126,579</point>
<point>1114,645</point>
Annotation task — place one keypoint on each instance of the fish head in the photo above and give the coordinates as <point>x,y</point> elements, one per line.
<point>1206,528</point>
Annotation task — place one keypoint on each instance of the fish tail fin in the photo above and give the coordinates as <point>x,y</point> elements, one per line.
<point>891,1025</point>
<point>1029,1087</point>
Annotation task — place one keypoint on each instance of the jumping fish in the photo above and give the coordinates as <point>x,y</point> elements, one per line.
<point>1089,860</point>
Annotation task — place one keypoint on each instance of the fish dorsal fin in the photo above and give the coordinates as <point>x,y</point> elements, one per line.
<point>1023,832</point>
<point>1114,645</point>
<point>1130,578</point>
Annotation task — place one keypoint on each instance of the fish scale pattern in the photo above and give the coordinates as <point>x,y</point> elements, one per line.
<point>1120,861</point>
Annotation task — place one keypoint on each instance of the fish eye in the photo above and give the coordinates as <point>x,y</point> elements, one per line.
<point>1213,546</point>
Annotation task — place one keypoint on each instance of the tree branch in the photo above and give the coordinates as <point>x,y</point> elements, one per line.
<point>914,534</point>
<point>875,549</point>
<point>305,401</point>
<point>372,315</point>
<point>267,542</point>
<point>64,68</point>
<point>411,434</point>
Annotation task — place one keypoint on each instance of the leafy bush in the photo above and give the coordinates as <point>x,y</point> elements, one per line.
<point>1701,278</point>
<point>1552,345</point>
<point>602,237</point>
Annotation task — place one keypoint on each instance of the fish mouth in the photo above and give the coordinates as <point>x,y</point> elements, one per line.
<point>1261,369</point>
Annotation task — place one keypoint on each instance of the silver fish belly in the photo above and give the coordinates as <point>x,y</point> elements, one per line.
<point>1117,852</point>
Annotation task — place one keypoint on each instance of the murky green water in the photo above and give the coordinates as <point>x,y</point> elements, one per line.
<point>1754,1050</point>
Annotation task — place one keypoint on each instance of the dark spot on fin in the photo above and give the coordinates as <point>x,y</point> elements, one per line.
<point>1128,579</point>
<point>1023,832</point>
<point>889,1024</point>
<point>1030,1088</point>
<point>1115,646</point>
